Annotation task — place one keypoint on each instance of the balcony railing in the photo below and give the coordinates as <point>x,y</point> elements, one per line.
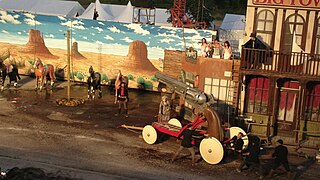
<point>298,63</point>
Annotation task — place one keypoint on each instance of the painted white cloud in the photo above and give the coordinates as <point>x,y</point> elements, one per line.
<point>114,29</point>
<point>168,35</point>
<point>19,32</point>
<point>31,16</point>
<point>5,17</point>
<point>97,28</point>
<point>62,18</point>
<point>127,39</point>
<point>4,31</point>
<point>137,29</point>
<point>49,35</point>
<point>85,37</point>
<point>3,21</point>
<point>148,43</point>
<point>107,37</point>
<point>74,24</point>
<point>166,40</point>
<point>93,34</point>
<point>101,23</point>
<point>16,16</point>
<point>31,22</point>
<point>99,42</point>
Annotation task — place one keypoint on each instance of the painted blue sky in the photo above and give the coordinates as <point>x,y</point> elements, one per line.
<point>92,36</point>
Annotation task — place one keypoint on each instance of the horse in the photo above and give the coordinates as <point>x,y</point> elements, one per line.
<point>12,72</point>
<point>94,83</point>
<point>42,71</point>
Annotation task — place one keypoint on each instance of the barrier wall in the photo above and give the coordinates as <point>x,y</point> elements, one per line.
<point>137,50</point>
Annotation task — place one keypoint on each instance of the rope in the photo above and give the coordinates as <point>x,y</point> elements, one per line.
<point>202,11</point>
<point>198,10</point>
<point>132,130</point>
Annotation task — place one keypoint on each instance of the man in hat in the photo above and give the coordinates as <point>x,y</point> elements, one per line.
<point>254,57</point>
<point>253,43</point>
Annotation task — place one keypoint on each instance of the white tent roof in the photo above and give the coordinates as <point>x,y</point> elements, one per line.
<point>233,22</point>
<point>123,13</point>
<point>126,14</point>
<point>103,15</point>
<point>50,7</point>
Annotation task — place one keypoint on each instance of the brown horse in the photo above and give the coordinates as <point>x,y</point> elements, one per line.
<point>42,71</point>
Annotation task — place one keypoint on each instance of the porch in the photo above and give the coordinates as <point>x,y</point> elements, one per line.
<point>281,64</point>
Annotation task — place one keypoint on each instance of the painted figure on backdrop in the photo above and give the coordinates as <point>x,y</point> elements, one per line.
<point>164,109</point>
<point>227,50</point>
<point>95,14</point>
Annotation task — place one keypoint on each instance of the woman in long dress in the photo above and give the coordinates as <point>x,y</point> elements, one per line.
<point>227,50</point>
<point>204,48</point>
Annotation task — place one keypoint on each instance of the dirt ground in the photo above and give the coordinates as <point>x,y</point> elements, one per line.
<point>87,141</point>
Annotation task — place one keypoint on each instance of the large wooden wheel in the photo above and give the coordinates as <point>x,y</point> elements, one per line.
<point>175,122</point>
<point>234,131</point>
<point>211,150</point>
<point>149,134</point>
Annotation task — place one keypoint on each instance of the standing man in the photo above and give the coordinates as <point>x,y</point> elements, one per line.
<point>281,158</point>
<point>255,57</point>
<point>123,98</point>
<point>187,140</point>
<point>251,157</point>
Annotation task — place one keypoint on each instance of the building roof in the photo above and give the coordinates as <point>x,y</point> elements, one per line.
<point>233,22</point>
<point>48,7</point>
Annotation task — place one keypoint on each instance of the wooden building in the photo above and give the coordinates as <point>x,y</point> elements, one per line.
<point>218,77</point>
<point>280,85</point>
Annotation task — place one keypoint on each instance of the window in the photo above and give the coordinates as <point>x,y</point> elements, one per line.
<point>313,103</point>
<point>190,79</point>
<point>317,51</point>
<point>258,93</point>
<point>222,90</point>
<point>294,33</point>
<point>265,25</point>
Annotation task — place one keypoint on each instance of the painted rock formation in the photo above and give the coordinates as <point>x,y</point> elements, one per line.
<point>75,53</point>
<point>36,44</point>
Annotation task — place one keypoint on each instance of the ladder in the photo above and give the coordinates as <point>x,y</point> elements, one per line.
<point>233,91</point>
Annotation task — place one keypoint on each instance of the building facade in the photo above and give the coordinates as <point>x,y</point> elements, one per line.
<point>281,84</point>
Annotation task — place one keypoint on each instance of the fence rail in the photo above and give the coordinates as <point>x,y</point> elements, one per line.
<point>297,63</point>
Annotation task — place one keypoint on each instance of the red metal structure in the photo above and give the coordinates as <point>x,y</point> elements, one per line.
<point>181,19</point>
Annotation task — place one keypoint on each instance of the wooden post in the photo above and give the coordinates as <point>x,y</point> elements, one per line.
<point>68,58</point>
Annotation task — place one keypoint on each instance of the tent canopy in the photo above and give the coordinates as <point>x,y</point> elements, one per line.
<point>48,7</point>
<point>122,13</point>
<point>233,22</point>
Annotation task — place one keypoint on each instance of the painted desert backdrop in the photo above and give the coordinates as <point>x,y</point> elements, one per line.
<point>137,50</point>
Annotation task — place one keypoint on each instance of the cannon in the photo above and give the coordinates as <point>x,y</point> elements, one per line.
<point>193,96</point>
<point>212,147</point>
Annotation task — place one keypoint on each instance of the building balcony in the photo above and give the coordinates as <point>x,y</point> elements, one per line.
<point>270,62</point>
